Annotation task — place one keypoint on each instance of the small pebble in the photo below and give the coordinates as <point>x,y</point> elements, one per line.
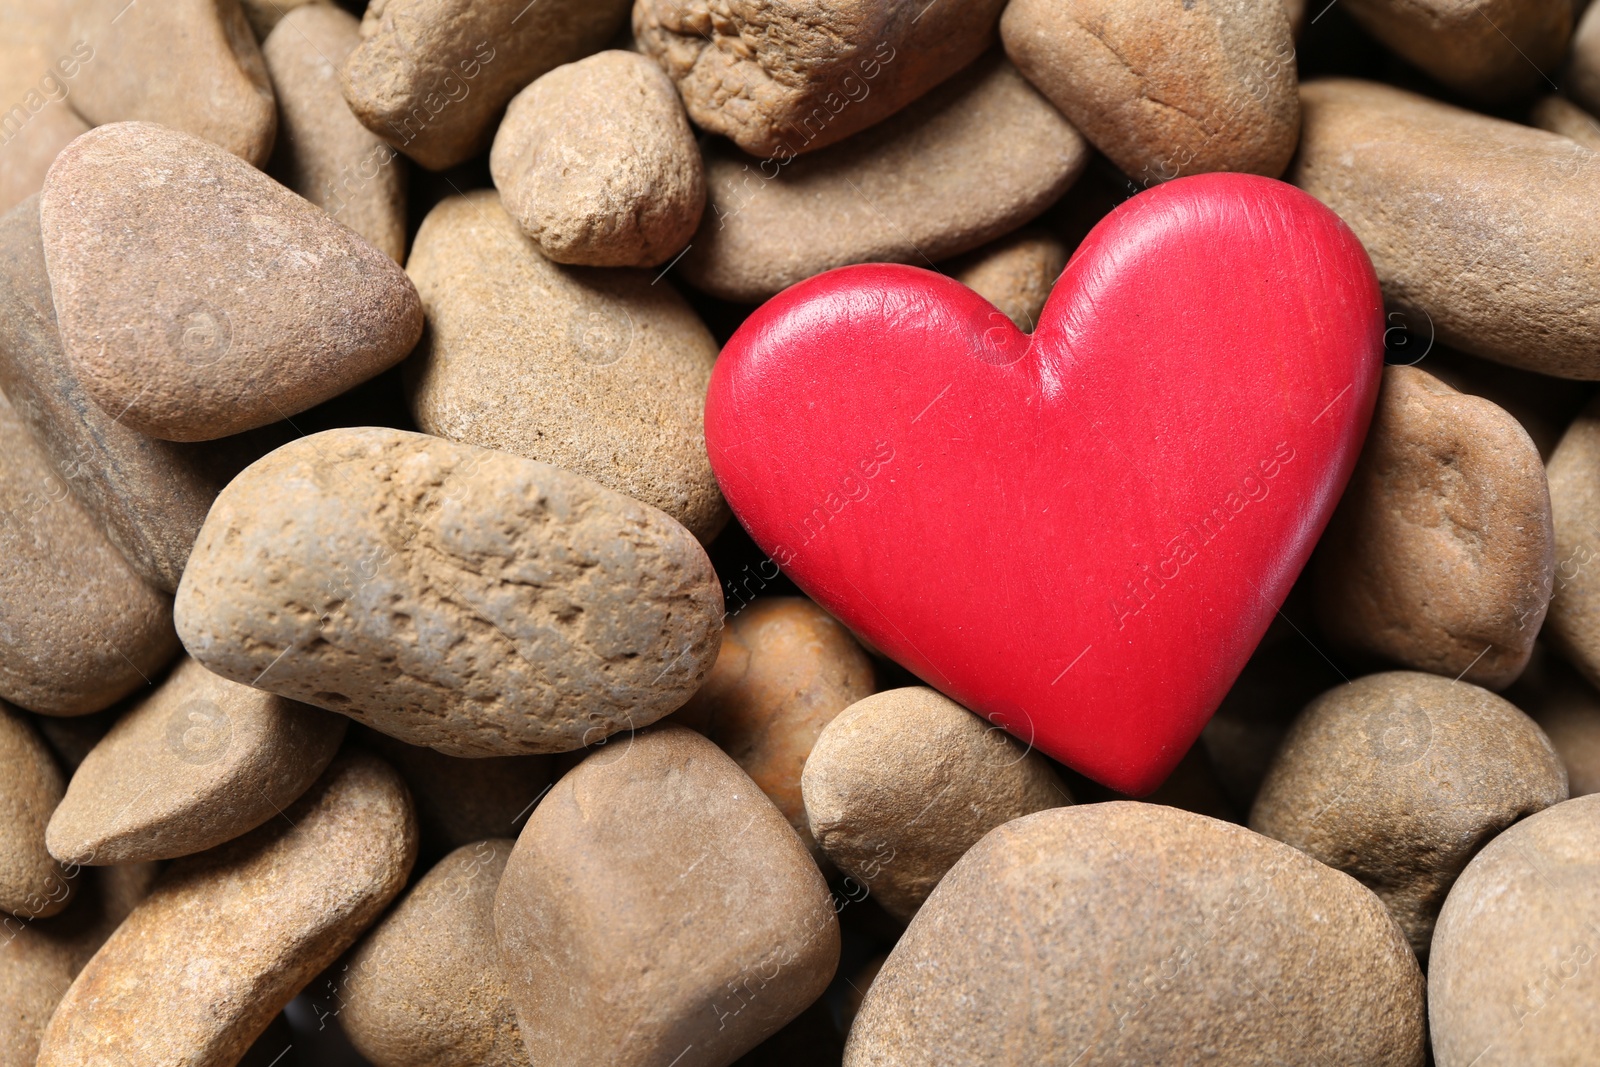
<point>1573,622</point>
<point>1491,50</point>
<point>32,884</point>
<point>1015,273</point>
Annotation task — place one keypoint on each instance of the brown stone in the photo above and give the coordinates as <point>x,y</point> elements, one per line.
<point>466,599</point>
<point>780,79</point>
<point>971,161</point>
<point>1398,778</point>
<point>32,884</point>
<point>149,235</point>
<point>38,67</point>
<point>597,163</point>
<point>1166,90</point>
<point>1543,405</point>
<point>322,152</point>
<point>432,76</point>
<point>658,848</point>
<point>785,670</point>
<point>1126,933</point>
<point>1512,980</point>
<point>228,937</point>
<point>1440,555</point>
<point>599,372</point>
<point>1492,50</point>
<point>900,785</point>
<point>1583,63</point>
<point>1015,273</point>
<point>1569,715</point>
<point>1573,622</point>
<point>1560,115</point>
<point>424,986</point>
<point>1478,227</point>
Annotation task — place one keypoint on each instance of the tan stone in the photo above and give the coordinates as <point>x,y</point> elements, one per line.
<point>780,79</point>
<point>432,76</point>
<point>1478,227</point>
<point>600,372</point>
<point>971,161</point>
<point>1573,622</point>
<point>1441,554</point>
<point>658,848</point>
<point>1512,980</point>
<point>900,785</point>
<point>79,629</point>
<point>39,64</point>
<point>148,235</point>
<point>32,884</point>
<point>192,65</point>
<point>323,153</point>
<point>1492,50</point>
<point>1560,115</point>
<point>786,668</point>
<point>1166,90</point>
<point>425,987</point>
<point>228,937</point>
<point>1398,778</point>
<point>1015,273</point>
<point>264,15</point>
<point>1583,63</point>
<point>453,596</point>
<point>1543,405</point>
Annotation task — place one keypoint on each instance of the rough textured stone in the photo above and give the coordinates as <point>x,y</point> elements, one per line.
<point>199,761</point>
<point>1573,622</point>
<point>659,848</point>
<point>1165,89</point>
<point>978,157</point>
<point>1398,778</point>
<point>432,77</point>
<point>596,161</point>
<point>228,937</point>
<point>1513,980</point>
<point>1441,553</point>
<point>150,236</point>
<point>1202,942</point>
<point>1560,115</point>
<point>32,884</point>
<point>596,371</point>
<point>192,65</point>
<point>39,63</point>
<point>786,668</point>
<point>466,599</point>
<point>1583,65</point>
<point>781,79</point>
<point>1015,273</point>
<point>426,987</point>
<point>1493,50</point>
<point>78,628</point>
<point>1477,226</point>
<point>322,152</point>
<point>901,784</point>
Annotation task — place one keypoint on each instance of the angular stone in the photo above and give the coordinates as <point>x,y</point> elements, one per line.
<point>975,159</point>
<point>32,884</point>
<point>39,63</point>
<point>1015,273</point>
<point>425,988</point>
<point>231,935</point>
<point>600,372</point>
<point>900,785</point>
<point>199,298</point>
<point>1573,622</point>
<point>659,848</point>
<point>1491,50</point>
<point>451,596</point>
<point>1197,941</point>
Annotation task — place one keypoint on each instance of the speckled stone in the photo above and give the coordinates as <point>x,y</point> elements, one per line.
<point>32,884</point>
<point>1015,273</point>
<point>1492,50</point>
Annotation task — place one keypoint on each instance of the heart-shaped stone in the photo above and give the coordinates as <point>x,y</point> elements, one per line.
<point>1081,534</point>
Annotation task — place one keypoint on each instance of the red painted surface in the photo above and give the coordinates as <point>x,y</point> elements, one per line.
<point>1082,534</point>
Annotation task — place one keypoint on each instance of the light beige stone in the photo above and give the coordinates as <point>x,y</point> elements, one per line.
<point>39,63</point>
<point>32,884</point>
<point>1492,50</point>
<point>1015,273</point>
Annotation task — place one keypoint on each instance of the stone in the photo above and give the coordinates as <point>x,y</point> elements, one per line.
<point>231,935</point>
<point>1015,273</point>
<point>597,371</point>
<point>425,988</point>
<point>32,884</point>
<point>451,596</point>
<point>432,77</point>
<point>786,669</point>
<point>779,80</point>
<point>1583,63</point>
<point>72,738</point>
<point>1512,979</point>
<point>1397,779</point>
<point>973,160</point>
<point>660,848</point>
<point>264,15</point>
<point>1441,554</point>
<point>1573,622</point>
<point>149,236</point>
<point>900,785</point>
<point>79,629</point>
<point>148,496</point>
<point>1560,115</point>
<point>1491,50</point>
<point>1476,226</point>
<point>38,66</point>
<point>597,163</point>
<point>322,152</point>
<point>191,65</point>
<point>199,761</point>
<point>1543,405</point>
<point>1166,90</point>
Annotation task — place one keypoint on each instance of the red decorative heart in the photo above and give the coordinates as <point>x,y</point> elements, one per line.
<point>1082,534</point>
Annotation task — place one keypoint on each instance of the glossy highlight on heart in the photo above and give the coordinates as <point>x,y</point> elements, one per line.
<point>1080,534</point>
